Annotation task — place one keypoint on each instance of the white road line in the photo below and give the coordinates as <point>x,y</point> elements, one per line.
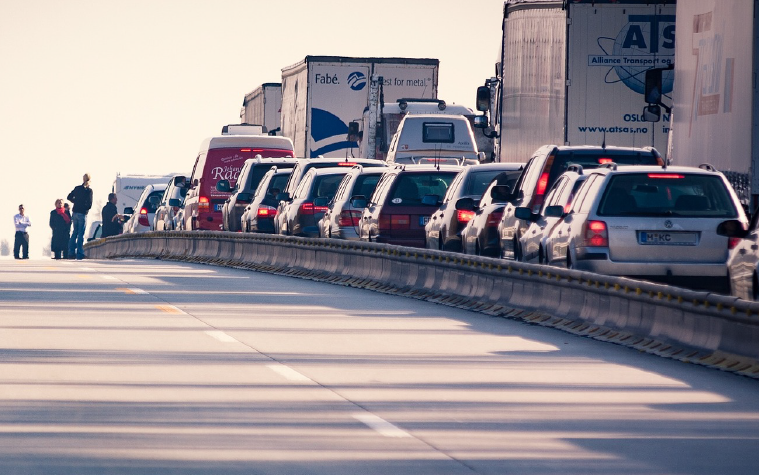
<point>381,425</point>
<point>88,269</point>
<point>108,277</point>
<point>137,291</point>
<point>288,373</point>
<point>221,336</point>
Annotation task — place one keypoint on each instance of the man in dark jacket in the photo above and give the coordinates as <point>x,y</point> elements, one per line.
<point>111,217</point>
<point>81,196</point>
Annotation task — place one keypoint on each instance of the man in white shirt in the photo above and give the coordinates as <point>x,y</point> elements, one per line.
<point>22,237</point>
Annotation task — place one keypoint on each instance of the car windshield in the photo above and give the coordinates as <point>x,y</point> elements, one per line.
<point>667,194</point>
<point>412,187</point>
<point>595,158</point>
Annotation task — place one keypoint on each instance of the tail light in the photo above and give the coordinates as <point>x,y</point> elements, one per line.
<point>596,234</point>
<point>395,221</point>
<point>494,219</point>
<point>540,193</point>
<point>464,216</point>
<point>665,176</point>
<point>349,218</point>
<point>266,212</point>
<point>732,242</point>
<point>203,204</point>
<point>143,219</point>
<point>309,208</point>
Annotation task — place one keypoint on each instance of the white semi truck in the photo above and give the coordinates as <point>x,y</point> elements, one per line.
<point>715,116</point>
<point>263,107</point>
<point>128,188</point>
<point>321,95</point>
<point>573,73</point>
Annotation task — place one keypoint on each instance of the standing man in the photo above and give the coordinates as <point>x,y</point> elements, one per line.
<point>22,237</point>
<point>81,196</point>
<point>111,218</point>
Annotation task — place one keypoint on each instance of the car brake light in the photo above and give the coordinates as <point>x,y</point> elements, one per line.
<point>266,212</point>
<point>346,164</point>
<point>542,184</point>
<point>665,175</point>
<point>604,160</point>
<point>203,204</point>
<point>309,208</point>
<point>349,218</point>
<point>400,221</point>
<point>143,219</point>
<point>245,150</point>
<point>732,242</point>
<point>464,216</point>
<point>596,234</point>
<point>494,219</point>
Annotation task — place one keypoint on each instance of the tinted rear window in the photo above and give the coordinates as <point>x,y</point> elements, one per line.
<point>410,188</point>
<point>478,182</point>
<point>258,172</point>
<point>594,159</point>
<point>150,206</point>
<point>667,194</point>
<point>325,186</point>
<point>365,185</point>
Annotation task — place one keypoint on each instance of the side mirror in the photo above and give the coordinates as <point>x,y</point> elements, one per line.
<point>321,201</point>
<point>653,86</point>
<point>175,202</point>
<point>465,204</point>
<point>483,99</point>
<point>128,210</point>
<point>244,196</point>
<point>501,193</point>
<point>353,132</point>
<point>223,186</point>
<point>195,182</point>
<point>554,211</point>
<point>652,113</point>
<point>481,122</point>
<point>525,214</point>
<point>359,201</point>
<point>431,200</point>
<point>732,228</point>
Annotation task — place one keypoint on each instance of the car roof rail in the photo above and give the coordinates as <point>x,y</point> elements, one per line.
<point>400,166</point>
<point>575,167</point>
<point>609,165</point>
<point>708,167</point>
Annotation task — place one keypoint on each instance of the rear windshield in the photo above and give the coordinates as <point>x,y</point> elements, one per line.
<point>325,186</point>
<point>257,172</point>
<point>667,194</point>
<point>410,188</point>
<point>478,182</point>
<point>365,185</point>
<point>278,182</point>
<point>594,159</point>
<point>152,207</point>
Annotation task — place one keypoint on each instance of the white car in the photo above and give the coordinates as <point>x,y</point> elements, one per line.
<point>142,218</point>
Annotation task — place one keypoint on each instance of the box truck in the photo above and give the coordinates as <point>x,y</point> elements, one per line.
<point>128,188</point>
<point>321,95</point>
<point>262,106</point>
<point>716,105</point>
<point>573,73</point>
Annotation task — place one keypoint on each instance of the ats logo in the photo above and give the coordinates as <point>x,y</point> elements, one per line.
<point>357,80</point>
<point>645,42</point>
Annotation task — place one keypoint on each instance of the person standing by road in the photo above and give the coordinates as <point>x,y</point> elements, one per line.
<point>22,237</point>
<point>81,196</point>
<point>60,223</point>
<point>111,218</point>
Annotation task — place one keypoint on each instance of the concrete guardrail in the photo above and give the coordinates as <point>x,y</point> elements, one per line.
<point>698,327</point>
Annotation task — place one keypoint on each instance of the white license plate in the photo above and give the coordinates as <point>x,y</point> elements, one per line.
<point>218,207</point>
<point>423,220</point>
<point>657,238</point>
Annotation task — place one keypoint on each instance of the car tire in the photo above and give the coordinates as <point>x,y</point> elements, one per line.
<point>541,255</point>
<point>477,251</point>
<point>517,251</point>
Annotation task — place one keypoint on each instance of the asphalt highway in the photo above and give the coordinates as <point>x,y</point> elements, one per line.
<point>153,367</point>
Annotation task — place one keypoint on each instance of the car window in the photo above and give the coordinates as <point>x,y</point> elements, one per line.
<point>667,194</point>
<point>454,186</point>
<point>477,182</point>
<point>590,196</point>
<point>150,206</point>
<point>412,187</point>
<point>555,192</point>
<point>590,159</point>
<point>582,193</point>
<point>365,184</point>
<point>325,186</point>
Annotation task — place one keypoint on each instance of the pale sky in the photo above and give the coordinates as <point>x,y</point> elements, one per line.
<point>134,86</point>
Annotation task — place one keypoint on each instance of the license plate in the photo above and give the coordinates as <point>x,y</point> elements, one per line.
<point>657,238</point>
<point>218,207</point>
<point>423,220</point>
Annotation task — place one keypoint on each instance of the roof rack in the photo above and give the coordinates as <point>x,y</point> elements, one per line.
<point>574,167</point>
<point>610,165</point>
<point>708,167</point>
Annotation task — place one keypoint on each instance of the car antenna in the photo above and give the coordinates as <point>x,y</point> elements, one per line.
<point>603,143</point>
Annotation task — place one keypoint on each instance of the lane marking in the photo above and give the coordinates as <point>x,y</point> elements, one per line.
<point>108,277</point>
<point>221,336</point>
<point>288,373</point>
<point>88,269</point>
<point>169,309</point>
<point>83,276</point>
<point>132,291</point>
<point>381,425</point>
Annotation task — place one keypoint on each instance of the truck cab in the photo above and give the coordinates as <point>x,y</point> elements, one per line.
<point>434,139</point>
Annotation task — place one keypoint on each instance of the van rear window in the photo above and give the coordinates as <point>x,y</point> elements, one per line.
<point>437,132</point>
<point>596,158</point>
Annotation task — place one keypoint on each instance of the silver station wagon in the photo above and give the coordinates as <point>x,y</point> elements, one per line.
<point>652,223</point>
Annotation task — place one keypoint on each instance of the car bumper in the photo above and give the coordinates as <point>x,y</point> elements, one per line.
<point>597,260</point>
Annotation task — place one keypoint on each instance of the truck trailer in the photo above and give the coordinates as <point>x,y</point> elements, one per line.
<point>715,116</point>
<point>263,106</point>
<point>573,73</point>
<point>321,95</point>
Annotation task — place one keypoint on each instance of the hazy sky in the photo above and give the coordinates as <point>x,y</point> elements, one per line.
<point>134,86</point>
